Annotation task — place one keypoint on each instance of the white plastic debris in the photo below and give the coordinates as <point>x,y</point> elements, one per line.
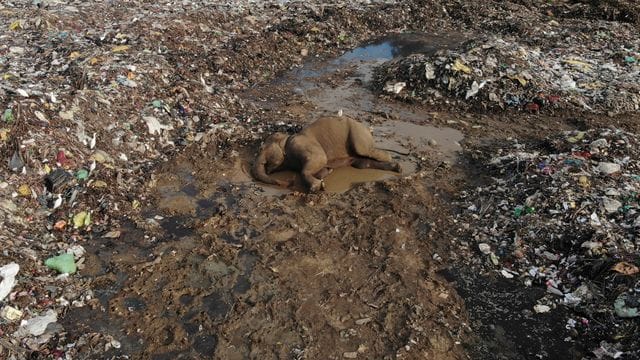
<point>37,325</point>
<point>611,192</point>
<point>571,299</point>
<point>554,290</point>
<point>484,248</point>
<point>429,71</point>
<point>591,245</point>
<point>607,351</point>
<point>506,273</point>
<point>8,274</point>
<point>598,144</point>
<point>77,250</point>
<point>538,308</point>
<point>10,313</point>
<point>611,205</point>
<point>608,168</point>
<point>395,88</point>
<point>475,87</point>
<point>567,83</point>
<point>155,127</point>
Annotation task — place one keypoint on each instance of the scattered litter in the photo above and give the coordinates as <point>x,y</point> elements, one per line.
<point>10,313</point>
<point>36,325</point>
<point>607,351</point>
<point>63,263</point>
<point>583,191</point>
<point>8,273</point>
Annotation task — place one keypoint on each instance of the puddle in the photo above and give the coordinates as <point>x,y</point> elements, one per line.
<point>177,227</point>
<point>396,135</point>
<point>340,180</point>
<point>353,95</point>
<point>401,45</point>
<point>378,51</point>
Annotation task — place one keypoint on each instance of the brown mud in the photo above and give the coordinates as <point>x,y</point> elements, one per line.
<point>238,270</point>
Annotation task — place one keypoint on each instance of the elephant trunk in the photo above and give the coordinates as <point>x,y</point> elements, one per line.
<point>259,170</point>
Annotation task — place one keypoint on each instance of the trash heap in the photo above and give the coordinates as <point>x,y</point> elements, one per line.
<point>564,214</point>
<point>601,74</point>
<point>93,96</point>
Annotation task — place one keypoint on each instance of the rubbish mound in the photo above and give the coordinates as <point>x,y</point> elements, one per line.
<point>503,73</point>
<point>564,214</point>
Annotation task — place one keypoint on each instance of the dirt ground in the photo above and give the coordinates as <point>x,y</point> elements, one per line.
<point>212,265</point>
<point>240,270</point>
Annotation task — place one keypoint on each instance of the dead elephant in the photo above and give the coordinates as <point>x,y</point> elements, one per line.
<point>328,143</point>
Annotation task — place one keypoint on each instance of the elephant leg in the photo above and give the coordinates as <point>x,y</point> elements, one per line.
<point>323,173</point>
<point>365,163</point>
<point>311,168</point>
<point>333,164</point>
<point>362,145</point>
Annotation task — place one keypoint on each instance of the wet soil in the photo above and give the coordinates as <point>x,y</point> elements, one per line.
<point>229,269</point>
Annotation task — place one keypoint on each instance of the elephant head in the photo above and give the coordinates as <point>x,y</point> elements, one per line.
<point>270,158</point>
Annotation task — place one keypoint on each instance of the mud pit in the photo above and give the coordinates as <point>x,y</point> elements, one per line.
<point>396,127</point>
<point>397,137</point>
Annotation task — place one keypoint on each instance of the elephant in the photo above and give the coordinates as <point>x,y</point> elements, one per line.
<point>325,144</point>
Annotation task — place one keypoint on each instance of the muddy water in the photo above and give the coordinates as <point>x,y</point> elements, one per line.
<point>398,137</point>
<point>352,95</point>
<point>340,180</point>
<point>376,52</point>
<point>404,136</point>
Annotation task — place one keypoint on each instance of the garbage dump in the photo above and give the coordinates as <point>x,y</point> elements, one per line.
<point>507,73</point>
<point>563,214</point>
